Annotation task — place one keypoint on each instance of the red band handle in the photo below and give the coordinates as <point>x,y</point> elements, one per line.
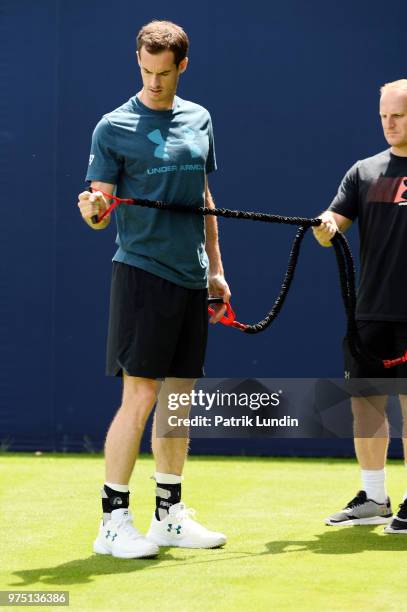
<point>229,318</point>
<point>116,202</point>
<point>389,363</point>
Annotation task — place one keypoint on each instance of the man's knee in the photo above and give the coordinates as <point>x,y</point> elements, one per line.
<point>373,407</point>
<point>139,396</point>
<point>176,392</point>
<point>369,416</point>
<point>178,385</point>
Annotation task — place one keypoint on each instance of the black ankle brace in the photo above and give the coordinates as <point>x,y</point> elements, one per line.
<point>166,496</point>
<point>113,500</point>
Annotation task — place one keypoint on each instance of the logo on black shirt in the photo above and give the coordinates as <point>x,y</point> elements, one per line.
<point>390,190</point>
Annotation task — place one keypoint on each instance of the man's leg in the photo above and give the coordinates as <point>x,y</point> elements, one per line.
<point>170,453</point>
<point>171,524</point>
<point>117,535</point>
<point>399,522</point>
<point>371,431</point>
<point>371,437</point>
<point>124,435</point>
<point>403,405</point>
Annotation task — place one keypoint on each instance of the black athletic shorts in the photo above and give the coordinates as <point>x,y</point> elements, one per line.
<point>156,328</point>
<point>387,340</point>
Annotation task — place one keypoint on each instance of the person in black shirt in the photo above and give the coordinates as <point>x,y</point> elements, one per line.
<point>374,191</point>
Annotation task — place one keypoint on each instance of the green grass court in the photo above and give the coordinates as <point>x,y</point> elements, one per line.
<point>279,556</point>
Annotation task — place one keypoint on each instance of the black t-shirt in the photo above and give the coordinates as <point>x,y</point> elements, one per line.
<point>374,190</point>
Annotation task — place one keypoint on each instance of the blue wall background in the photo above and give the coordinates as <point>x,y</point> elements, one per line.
<point>293,92</point>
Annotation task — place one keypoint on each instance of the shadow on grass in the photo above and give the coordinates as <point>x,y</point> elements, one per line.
<point>345,541</point>
<point>342,541</point>
<point>82,571</point>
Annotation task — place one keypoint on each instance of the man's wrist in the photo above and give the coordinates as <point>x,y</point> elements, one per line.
<point>218,272</point>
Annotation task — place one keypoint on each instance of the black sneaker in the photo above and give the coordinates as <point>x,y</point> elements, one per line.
<point>399,523</point>
<point>362,511</point>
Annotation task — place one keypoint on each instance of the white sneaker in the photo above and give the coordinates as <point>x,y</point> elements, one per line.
<point>178,529</point>
<point>121,539</point>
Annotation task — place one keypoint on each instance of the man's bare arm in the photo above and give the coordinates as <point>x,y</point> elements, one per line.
<point>216,277</point>
<point>331,223</point>
<point>94,203</point>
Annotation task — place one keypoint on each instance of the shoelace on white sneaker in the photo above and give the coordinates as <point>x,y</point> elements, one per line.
<point>125,524</point>
<point>184,513</point>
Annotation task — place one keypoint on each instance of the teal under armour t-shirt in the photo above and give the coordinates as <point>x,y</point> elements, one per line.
<point>157,155</point>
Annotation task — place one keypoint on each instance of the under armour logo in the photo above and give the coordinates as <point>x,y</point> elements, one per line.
<point>188,139</point>
<point>116,501</point>
<point>177,529</point>
<point>347,375</point>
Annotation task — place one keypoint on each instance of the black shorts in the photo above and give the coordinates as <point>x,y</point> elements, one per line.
<point>156,328</point>
<point>385,339</point>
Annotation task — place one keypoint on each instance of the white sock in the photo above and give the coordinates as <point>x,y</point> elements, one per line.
<point>373,484</point>
<point>118,487</point>
<point>162,478</point>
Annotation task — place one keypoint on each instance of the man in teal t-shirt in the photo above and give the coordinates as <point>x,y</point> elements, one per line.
<point>158,155</point>
<point>156,146</point>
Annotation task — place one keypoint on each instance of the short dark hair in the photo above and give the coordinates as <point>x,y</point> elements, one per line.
<point>158,36</point>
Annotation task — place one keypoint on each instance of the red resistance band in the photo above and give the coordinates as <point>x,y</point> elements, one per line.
<point>229,318</point>
<point>116,202</point>
<point>389,363</point>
